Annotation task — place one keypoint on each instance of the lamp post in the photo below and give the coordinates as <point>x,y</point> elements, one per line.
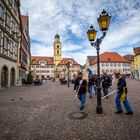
<point>103,22</point>
<point>68,66</point>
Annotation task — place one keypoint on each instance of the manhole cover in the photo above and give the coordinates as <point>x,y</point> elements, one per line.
<point>78,115</point>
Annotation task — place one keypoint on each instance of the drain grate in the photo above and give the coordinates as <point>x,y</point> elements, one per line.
<point>78,115</point>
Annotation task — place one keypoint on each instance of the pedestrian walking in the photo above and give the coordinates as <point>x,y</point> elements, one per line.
<point>82,89</point>
<point>106,83</point>
<point>122,95</point>
<point>76,81</point>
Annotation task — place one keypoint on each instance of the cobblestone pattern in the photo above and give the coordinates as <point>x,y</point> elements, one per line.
<point>41,113</point>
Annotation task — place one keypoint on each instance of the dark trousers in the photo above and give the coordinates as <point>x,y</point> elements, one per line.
<point>105,90</point>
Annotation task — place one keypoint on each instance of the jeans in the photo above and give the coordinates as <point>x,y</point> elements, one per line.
<point>90,90</point>
<point>82,98</point>
<point>126,103</point>
<point>105,90</point>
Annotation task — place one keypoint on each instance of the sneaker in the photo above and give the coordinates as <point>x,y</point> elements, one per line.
<point>81,108</point>
<point>118,112</point>
<point>129,113</point>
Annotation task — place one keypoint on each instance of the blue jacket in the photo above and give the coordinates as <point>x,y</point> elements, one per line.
<point>121,85</point>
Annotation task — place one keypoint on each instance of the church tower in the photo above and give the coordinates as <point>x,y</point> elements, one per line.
<point>57,50</point>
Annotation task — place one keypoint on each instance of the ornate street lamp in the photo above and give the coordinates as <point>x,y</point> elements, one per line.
<point>68,66</point>
<point>103,22</point>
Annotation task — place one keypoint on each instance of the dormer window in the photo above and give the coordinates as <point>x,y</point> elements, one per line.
<point>71,62</point>
<point>42,62</point>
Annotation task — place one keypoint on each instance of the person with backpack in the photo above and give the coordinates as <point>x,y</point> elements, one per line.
<point>122,95</point>
<point>106,82</point>
<point>76,81</point>
<point>82,89</point>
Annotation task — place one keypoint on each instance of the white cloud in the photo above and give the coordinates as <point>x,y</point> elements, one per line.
<point>40,50</point>
<point>71,19</point>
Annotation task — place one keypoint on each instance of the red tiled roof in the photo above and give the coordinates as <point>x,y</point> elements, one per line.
<point>128,57</point>
<point>64,61</point>
<point>136,50</point>
<point>111,57</point>
<point>49,60</point>
<point>24,20</point>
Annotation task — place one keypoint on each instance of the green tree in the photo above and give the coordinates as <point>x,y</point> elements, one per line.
<point>30,78</point>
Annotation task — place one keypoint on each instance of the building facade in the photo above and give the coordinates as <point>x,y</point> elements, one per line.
<point>109,62</point>
<point>137,62</point>
<point>24,50</point>
<point>130,58</point>
<point>73,69</point>
<point>54,66</point>
<point>42,66</point>
<point>10,26</point>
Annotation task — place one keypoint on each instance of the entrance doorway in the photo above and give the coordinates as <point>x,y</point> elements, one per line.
<point>4,76</point>
<point>12,77</point>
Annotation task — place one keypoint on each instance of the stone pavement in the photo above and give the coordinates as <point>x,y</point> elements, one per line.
<point>50,112</point>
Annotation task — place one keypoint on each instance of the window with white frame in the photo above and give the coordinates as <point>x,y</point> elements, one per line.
<point>5,42</point>
<point>119,64</point>
<point>103,64</point>
<point>11,48</point>
<point>8,44</point>
<point>107,64</point>
<point>1,38</point>
<point>8,20</point>
<point>16,49</point>
<point>13,26</point>
<point>107,70</point>
<point>48,71</point>
<point>1,12</point>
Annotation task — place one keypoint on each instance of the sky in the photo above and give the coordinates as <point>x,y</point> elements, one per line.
<point>71,19</point>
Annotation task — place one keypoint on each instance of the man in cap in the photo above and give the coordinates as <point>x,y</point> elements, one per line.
<point>122,94</point>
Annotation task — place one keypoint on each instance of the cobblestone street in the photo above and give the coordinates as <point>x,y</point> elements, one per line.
<point>50,112</point>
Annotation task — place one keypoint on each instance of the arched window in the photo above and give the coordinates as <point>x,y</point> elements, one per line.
<point>57,47</point>
<point>57,51</point>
